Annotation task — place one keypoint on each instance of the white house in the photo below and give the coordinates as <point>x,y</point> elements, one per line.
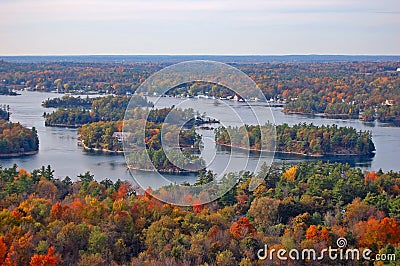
<point>120,135</point>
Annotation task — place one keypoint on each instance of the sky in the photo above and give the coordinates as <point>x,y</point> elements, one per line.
<point>212,27</point>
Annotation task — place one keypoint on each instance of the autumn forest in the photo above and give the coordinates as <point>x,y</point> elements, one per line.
<point>46,219</point>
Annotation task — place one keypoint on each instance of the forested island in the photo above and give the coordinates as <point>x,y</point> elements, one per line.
<point>304,139</point>
<point>69,102</point>
<point>159,151</point>
<point>51,220</point>
<point>107,136</point>
<point>75,112</point>
<point>100,136</point>
<point>16,140</point>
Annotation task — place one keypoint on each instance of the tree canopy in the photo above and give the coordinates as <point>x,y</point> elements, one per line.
<point>45,220</point>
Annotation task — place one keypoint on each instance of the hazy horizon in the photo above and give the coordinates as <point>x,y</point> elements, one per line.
<point>219,27</point>
<point>181,58</point>
<point>199,54</point>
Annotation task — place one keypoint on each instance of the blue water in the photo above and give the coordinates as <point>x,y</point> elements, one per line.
<point>59,148</point>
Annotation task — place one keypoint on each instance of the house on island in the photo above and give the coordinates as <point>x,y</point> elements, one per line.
<point>238,98</point>
<point>389,102</point>
<point>120,136</point>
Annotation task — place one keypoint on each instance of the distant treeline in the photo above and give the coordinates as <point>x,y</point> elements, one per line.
<point>346,88</point>
<point>307,139</point>
<point>367,89</point>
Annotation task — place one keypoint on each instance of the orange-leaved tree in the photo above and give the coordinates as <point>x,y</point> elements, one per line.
<point>379,232</point>
<point>242,228</point>
<point>48,259</point>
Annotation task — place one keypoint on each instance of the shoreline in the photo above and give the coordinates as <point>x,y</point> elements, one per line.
<point>81,143</point>
<point>297,153</point>
<point>163,171</point>
<point>20,154</point>
<point>344,116</point>
<point>63,125</point>
<point>105,151</point>
<point>86,148</point>
<point>325,115</point>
